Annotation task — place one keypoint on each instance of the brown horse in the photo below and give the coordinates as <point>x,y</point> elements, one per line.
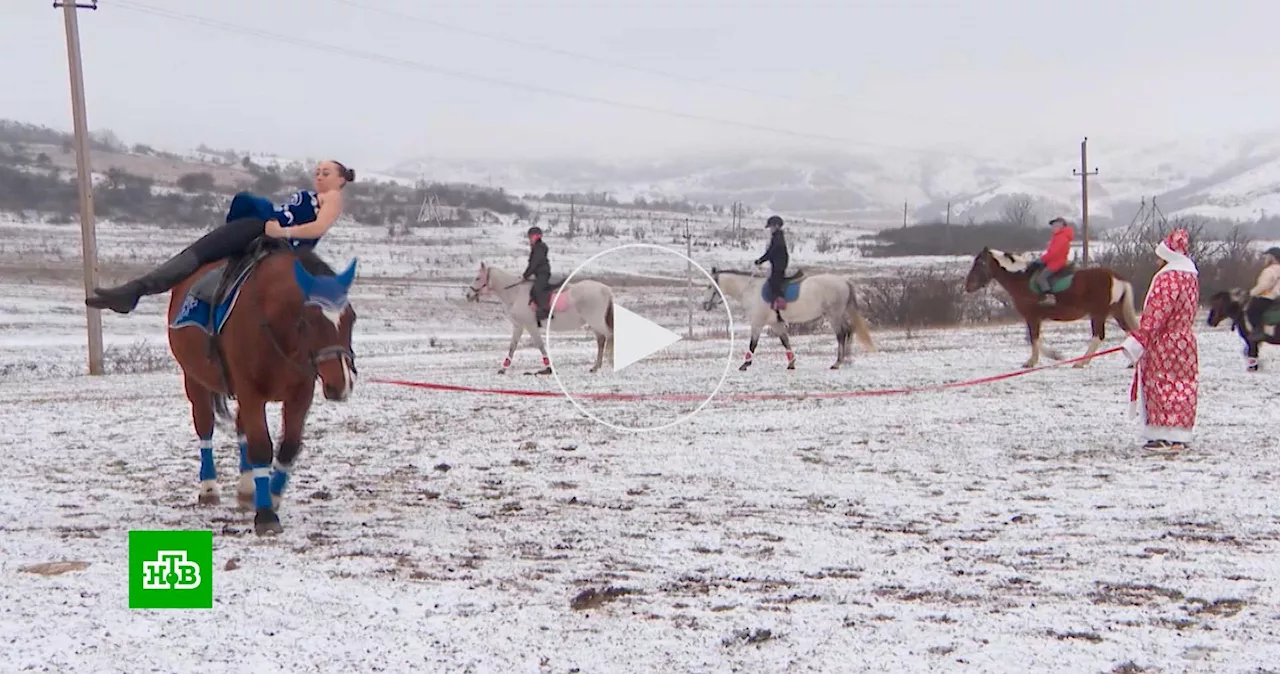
<point>290,323</point>
<point>1096,292</point>
<point>1229,304</point>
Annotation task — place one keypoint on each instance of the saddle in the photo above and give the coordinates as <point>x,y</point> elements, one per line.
<point>218,288</point>
<point>1056,282</point>
<point>555,282</point>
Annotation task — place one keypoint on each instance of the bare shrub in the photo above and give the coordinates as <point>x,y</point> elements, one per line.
<point>824,243</point>
<point>138,358</point>
<point>1227,262</point>
<point>930,296</point>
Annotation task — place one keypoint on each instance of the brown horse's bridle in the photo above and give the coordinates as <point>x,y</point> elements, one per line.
<point>314,356</point>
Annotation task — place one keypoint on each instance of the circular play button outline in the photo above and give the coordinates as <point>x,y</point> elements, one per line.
<point>555,371</point>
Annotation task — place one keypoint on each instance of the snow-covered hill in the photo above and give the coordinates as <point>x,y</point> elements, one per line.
<point>1234,178</point>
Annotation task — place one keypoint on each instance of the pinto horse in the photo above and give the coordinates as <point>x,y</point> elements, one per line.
<point>293,325</point>
<point>1096,292</point>
<point>1230,304</point>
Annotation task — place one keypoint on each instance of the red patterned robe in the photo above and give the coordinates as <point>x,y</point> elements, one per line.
<point>1166,379</point>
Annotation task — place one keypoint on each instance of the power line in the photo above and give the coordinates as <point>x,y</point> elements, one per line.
<point>494,81</point>
<point>623,65</point>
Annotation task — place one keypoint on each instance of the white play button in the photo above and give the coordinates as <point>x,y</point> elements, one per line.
<point>669,387</point>
<point>636,338</point>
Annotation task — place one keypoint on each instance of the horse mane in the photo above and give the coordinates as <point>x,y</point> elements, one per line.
<point>735,272</point>
<point>1014,263</point>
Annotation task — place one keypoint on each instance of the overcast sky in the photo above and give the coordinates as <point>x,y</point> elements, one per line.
<point>913,74</point>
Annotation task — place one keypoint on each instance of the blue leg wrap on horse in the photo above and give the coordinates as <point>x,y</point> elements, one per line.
<point>244,453</point>
<point>208,470</point>
<point>262,486</point>
<point>279,478</point>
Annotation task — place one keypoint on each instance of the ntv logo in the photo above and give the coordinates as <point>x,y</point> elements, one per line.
<point>170,571</point>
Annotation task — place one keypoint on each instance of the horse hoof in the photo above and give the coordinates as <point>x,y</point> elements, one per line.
<point>744,366</point>
<point>792,366</point>
<point>502,371</point>
<point>209,498</point>
<point>835,367</point>
<point>1079,365</point>
<point>545,370</point>
<point>267,522</point>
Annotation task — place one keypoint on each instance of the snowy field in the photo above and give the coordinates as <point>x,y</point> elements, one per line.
<point>1006,527</point>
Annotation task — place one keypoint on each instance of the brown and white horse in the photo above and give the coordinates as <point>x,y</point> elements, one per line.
<point>1096,292</point>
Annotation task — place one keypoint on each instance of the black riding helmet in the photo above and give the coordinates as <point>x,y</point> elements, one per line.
<point>534,230</point>
<point>774,222</point>
<point>1057,221</point>
<point>1273,251</point>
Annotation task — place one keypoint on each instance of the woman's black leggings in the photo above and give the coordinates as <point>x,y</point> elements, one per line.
<point>229,240</point>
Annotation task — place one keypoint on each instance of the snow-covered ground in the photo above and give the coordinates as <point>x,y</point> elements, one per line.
<point>1006,527</point>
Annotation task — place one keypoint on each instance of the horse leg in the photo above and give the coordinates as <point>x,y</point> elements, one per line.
<point>756,327</point>
<point>542,348</point>
<point>1033,334</point>
<point>202,418</point>
<point>1251,349</point>
<point>1098,328</point>
<point>785,338</point>
<point>244,490</point>
<point>843,332</point>
<point>253,417</point>
<point>600,340</point>
<point>293,418</point>
<point>516,331</point>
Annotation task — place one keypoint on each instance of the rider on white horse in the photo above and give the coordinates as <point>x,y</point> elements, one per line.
<point>539,270</point>
<point>777,257</point>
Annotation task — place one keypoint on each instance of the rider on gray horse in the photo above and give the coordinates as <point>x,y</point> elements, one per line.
<point>777,257</point>
<point>539,270</point>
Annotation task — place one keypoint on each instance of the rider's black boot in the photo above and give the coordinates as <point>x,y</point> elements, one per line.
<point>123,298</point>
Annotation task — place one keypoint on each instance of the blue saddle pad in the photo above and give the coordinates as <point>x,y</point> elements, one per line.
<point>789,293</point>
<point>201,311</point>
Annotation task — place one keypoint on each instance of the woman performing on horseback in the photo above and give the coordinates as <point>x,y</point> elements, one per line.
<point>301,223</point>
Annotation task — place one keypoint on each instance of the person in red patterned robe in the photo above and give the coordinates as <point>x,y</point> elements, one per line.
<point>1164,349</point>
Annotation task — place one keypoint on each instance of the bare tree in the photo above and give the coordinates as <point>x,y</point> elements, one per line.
<point>1020,211</point>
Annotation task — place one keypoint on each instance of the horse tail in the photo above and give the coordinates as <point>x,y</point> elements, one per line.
<point>860,327</point>
<point>1127,306</point>
<point>221,412</point>
<point>608,315</point>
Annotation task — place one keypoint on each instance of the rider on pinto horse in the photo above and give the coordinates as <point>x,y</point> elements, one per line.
<point>1264,294</point>
<point>1052,261</point>
<point>777,257</point>
<point>539,270</point>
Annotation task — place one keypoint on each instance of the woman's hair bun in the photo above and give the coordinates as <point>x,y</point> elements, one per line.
<point>351,175</point>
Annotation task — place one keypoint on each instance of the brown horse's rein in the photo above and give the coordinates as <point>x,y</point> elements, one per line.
<point>314,357</point>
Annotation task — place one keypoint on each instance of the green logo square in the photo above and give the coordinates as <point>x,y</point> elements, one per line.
<point>170,569</point>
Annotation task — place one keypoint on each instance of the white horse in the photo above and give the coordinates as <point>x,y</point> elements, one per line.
<point>821,296</point>
<point>581,303</point>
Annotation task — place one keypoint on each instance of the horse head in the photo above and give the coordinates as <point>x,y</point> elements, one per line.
<point>980,273</point>
<point>327,323</point>
<point>1226,304</point>
<point>479,285</point>
<point>715,297</point>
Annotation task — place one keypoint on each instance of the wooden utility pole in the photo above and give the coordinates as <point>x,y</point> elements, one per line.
<point>1084,174</point>
<point>904,215</point>
<point>688,272</point>
<point>84,176</point>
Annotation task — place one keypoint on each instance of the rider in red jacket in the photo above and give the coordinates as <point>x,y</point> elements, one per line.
<point>1054,259</point>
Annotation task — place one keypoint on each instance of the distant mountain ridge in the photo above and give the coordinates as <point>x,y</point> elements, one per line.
<point>1236,179</point>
